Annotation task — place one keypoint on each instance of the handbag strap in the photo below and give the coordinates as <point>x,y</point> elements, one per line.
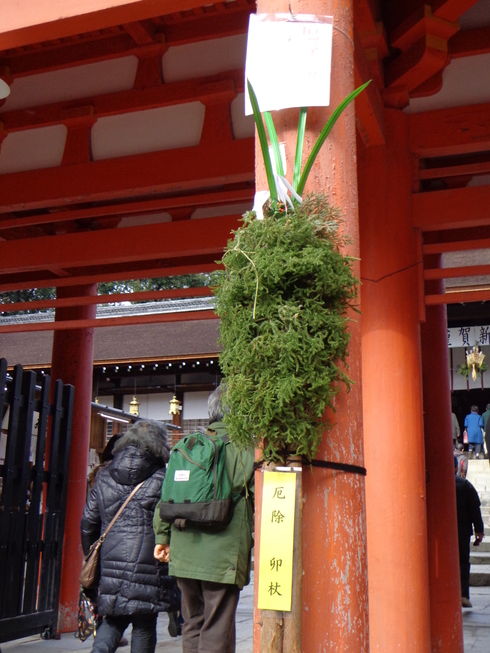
<point>118,513</point>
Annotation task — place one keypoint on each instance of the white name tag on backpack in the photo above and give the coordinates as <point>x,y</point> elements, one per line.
<point>181,475</point>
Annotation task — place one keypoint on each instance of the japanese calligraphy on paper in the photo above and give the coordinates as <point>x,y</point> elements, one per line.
<point>276,541</point>
<point>468,336</point>
<point>289,60</point>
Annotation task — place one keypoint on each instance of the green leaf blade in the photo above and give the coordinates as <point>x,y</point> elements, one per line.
<point>298,158</point>
<point>263,141</point>
<point>269,123</point>
<point>324,134</point>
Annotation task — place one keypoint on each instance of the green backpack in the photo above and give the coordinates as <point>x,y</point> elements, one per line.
<point>196,486</point>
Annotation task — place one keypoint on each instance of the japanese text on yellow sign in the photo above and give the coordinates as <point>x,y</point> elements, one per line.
<point>276,541</point>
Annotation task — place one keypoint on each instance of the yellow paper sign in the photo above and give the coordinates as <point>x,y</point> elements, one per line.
<point>276,541</point>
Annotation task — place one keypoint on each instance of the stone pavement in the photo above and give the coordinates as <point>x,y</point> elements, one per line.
<point>165,644</point>
<point>476,622</point>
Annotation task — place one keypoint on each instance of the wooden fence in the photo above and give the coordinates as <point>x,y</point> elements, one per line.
<point>35,445</point>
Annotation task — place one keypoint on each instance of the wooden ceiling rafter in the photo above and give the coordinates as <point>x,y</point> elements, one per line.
<point>418,42</point>
<point>206,166</point>
<point>18,29</point>
<point>450,209</point>
<point>121,273</point>
<point>450,132</point>
<point>143,296</point>
<point>475,287</point>
<point>244,193</point>
<point>128,39</point>
<point>421,40</point>
<point>163,241</point>
<point>455,272</point>
<point>471,169</point>
<point>61,325</point>
<point>213,88</point>
<point>461,297</point>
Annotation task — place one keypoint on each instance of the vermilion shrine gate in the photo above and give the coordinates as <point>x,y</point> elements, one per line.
<point>125,154</point>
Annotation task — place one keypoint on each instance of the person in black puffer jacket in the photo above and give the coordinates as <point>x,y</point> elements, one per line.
<point>133,588</point>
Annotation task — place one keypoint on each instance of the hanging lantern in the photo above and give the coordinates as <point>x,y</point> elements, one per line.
<point>134,407</point>
<point>175,406</point>
<point>474,360</point>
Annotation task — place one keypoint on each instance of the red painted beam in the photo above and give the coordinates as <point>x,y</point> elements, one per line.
<point>90,48</point>
<point>456,246</point>
<point>455,171</point>
<point>173,293</point>
<point>366,15</point>
<point>108,322</point>
<point>454,273</point>
<point>206,89</point>
<point>447,132</point>
<point>451,9</point>
<point>24,23</point>
<point>417,64</point>
<point>451,209</point>
<point>461,297</point>
<point>194,168</point>
<point>169,240</point>
<point>369,105</point>
<point>469,43</point>
<point>231,22</point>
<point>213,198</point>
<point>6,284</point>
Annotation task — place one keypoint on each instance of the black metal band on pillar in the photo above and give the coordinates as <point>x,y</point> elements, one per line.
<point>340,467</point>
<point>326,464</point>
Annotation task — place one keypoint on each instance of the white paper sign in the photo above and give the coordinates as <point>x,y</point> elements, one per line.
<point>468,336</point>
<point>289,60</point>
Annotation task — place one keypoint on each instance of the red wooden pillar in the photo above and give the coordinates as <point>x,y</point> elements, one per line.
<point>444,582</point>
<point>335,610</point>
<point>392,398</point>
<point>72,361</point>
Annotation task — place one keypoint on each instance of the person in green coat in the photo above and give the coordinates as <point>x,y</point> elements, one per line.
<point>212,567</point>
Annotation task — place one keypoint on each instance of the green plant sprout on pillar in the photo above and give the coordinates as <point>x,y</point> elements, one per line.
<point>283,299</point>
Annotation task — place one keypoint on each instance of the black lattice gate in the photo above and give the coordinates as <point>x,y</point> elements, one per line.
<point>35,445</point>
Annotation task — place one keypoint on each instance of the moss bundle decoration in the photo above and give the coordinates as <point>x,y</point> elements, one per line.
<point>282,301</point>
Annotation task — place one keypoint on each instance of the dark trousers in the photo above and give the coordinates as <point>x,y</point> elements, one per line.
<point>464,564</point>
<point>209,616</point>
<point>476,447</point>
<point>143,638</point>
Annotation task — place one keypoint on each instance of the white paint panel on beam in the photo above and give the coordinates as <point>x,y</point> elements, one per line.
<point>204,58</point>
<point>465,81</point>
<point>72,83</point>
<point>32,149</point>
<point>195,405</point>
<point>148,131</point>
<point>243,126</point>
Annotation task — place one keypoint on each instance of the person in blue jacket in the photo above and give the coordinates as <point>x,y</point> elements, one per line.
<point>473,424</point>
